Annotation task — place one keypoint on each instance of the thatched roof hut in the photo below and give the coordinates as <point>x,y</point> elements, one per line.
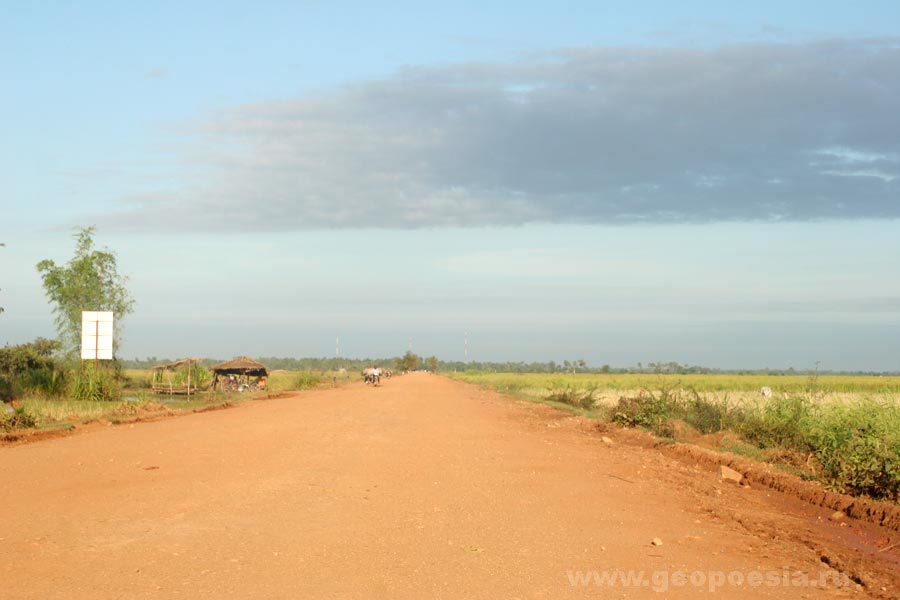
<point>162,381</point>
<point>241,365</point>
<point>175,365</point>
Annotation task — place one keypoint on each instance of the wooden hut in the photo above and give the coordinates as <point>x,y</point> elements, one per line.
<point>162,379</point>
<point>240,373</point>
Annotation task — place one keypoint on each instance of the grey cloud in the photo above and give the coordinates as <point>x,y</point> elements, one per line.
<point>605,135</point>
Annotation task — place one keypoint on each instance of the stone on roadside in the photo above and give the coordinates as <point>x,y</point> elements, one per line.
<point>838,515</point>
<point>656,542</point>
<point>606,440</point>
<point>729,475</point>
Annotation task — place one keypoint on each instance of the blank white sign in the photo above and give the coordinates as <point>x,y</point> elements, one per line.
<point>96,335</point>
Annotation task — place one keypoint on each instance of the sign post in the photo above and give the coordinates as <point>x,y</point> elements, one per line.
<point>96,336</point>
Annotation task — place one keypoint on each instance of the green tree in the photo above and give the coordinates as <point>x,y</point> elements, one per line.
<point>89,281</point>
<point>431,364</point>
<point>409,362</point>
<point>27,357</point>
<point>30,368</point>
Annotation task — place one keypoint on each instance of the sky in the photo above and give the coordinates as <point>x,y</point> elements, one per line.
<point>712,183</point>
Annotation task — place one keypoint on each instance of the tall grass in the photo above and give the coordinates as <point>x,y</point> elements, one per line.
<point>57,411</point>
<point>307,379</point>
<point>94,384</point>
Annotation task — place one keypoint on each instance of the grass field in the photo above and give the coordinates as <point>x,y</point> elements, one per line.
<point>701,383</point>
<point>608,388</point>
<point>138,401</point>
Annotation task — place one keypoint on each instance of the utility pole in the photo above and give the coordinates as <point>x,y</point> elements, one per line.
<point>466,346</point>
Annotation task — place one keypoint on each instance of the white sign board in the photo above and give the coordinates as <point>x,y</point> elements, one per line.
<point>96,335</point>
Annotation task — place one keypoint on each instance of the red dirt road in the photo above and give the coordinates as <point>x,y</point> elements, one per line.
<point>420,488</point>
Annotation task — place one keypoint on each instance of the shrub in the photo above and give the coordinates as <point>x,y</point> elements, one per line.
<point>705,415</point>
<point>780,422</point>
<point>47,382</point>
<point>29,369</point>
<point>579,397</point>
<point>645,410</point>
<point>19,418</point>
<point>858,447</point>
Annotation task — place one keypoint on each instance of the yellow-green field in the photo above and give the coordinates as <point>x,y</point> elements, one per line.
<point>610,387</point>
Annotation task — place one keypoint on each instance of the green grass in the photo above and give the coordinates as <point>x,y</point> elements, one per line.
<point>55,411</point>
<point>137,401</point>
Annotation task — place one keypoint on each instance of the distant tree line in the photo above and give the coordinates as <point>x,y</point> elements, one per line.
<point>412,362</point>
<point>408,362</point>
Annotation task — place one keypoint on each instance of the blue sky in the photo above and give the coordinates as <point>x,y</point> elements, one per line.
<point>717,183</point>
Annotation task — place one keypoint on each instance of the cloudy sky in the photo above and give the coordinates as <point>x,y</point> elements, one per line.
<point>716,184</point>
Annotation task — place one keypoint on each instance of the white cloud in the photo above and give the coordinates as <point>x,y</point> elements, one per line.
<point>851,155</point>
<point>886,177</point>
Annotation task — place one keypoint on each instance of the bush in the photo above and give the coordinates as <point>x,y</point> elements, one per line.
<point>645,410</point>
<point>780,423</point>
<point>94,385</point>
<point>579,397</point>
<point>47,382</point>
<point>19,418</point>
<point>29,369</point>
<point>858,447</point>
<point>708,416</point>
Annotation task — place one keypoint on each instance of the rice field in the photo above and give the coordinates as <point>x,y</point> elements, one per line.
<point>733,387</point>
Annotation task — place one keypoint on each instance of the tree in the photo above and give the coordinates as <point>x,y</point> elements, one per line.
<point>409,362</point>
<point>22,358</point>
<point>431,364</point>
<point>29,368</point>
<point>89,281</point>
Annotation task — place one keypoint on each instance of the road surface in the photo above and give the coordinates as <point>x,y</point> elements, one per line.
<point>420,488</point>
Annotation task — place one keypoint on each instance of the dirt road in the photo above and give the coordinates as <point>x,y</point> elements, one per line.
<point>420,488</point>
